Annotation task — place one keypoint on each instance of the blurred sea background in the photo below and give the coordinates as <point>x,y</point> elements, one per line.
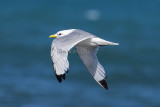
<point>133,68</point>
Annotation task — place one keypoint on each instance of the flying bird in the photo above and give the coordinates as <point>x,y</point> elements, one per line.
<point>87,46</point>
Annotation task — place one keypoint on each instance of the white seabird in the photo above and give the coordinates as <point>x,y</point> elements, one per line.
<point>87,46</point>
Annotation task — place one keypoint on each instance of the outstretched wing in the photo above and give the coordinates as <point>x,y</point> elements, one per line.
<point>60,62</point>
<point>89,58</point>
<point>60,48</point>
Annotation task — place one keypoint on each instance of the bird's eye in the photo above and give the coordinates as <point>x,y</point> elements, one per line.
<point>60,33</point>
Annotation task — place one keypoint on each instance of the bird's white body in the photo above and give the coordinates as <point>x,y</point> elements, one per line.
<point>87,46</point>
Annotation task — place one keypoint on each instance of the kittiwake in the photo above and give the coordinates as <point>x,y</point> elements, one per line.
<point>87,46</point>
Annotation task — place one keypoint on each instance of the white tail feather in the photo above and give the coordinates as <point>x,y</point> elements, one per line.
<point>102,42</point>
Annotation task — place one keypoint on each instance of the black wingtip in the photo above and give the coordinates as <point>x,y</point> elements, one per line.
<point>63,76</point>
<point>59,78</point>
<point>104,84</point>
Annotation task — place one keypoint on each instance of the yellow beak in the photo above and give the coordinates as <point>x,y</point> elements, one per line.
<point>52,36</point>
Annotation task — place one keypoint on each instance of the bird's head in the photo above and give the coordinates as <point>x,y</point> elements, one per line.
<point>62,33</point>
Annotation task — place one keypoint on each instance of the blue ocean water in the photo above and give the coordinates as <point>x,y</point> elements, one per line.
<point>132,68</point>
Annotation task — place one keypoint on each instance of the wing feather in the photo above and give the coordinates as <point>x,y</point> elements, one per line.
<point>90,60</point>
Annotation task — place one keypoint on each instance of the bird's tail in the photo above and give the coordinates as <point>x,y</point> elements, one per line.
<point>102,42</point>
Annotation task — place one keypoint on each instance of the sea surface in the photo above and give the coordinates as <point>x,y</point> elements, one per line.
<point>133,68</point>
